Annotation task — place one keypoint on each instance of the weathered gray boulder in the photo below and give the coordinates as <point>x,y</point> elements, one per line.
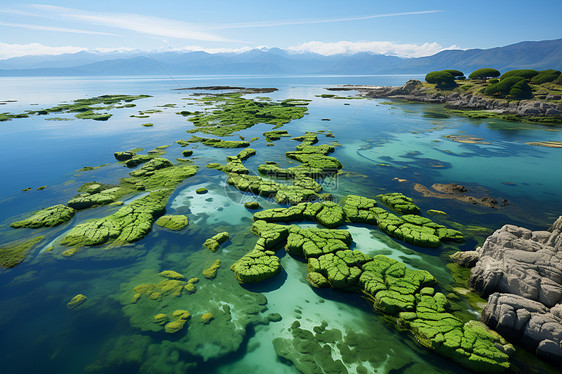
<point>522,262</point>
<point>521,270</point>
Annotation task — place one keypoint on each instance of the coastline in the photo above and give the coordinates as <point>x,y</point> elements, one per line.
<point>547,111</point>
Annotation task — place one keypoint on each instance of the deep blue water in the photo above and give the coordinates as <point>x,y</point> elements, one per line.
<point>380,143</point>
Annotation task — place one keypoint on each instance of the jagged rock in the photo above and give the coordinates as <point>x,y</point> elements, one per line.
<point>48,217</point>
<point>522,262</point>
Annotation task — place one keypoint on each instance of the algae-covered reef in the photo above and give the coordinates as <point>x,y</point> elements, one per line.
<point>133,221</point>
<point>406,294</point>
<point>232,113</point>
<point>84,108</point>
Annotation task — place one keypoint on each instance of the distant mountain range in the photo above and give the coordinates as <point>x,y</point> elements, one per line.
<point>538,55</point>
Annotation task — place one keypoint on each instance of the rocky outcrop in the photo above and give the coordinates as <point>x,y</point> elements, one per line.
<point>413,90</point>
<point>521,270</point>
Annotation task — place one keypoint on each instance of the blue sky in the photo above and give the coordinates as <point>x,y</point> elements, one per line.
<point>404,28</point>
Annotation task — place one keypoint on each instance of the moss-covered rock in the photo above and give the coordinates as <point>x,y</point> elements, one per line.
<point>48,217</point>
<point>201,191</point>
<point>253,205</point>
<point>187,152</point>
<point>173,222</point>
<point>14,253</point>
<point>218,143</point>
<point>315,242</point>
<point>399,203</point>
<point>129,224</point>
<point>93,194</point>
<point>275,135</point>
<point>317,280</point>
<point>214,244</point>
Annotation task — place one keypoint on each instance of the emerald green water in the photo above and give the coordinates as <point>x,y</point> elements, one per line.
<point>39,334</point>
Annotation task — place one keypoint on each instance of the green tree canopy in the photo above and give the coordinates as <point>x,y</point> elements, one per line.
<point>523,73</point>
<point>442,79</point>
<point>515,87</point>
<point>544,76</point>
<point>454,73</point>
<point>484,74</point>
<point>521,90</point>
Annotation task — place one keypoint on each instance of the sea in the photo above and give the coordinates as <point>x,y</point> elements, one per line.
<point>384,146</point>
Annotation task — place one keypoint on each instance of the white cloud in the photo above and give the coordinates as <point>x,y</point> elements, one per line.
<point>380,47</point>
<point>37,49</point>
<point>147,25</point>
<point>19,50</point>
<point>53,28</point>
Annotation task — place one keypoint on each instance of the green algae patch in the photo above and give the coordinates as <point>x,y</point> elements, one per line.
<point>90,168</point>
<point>214,244</point>
<point>173,222</point>
<point>76,301</point>
<point>232,113</point>
<point>147,124</point>
<point>129,224</point>
<point>14,253</point>
<point>48,217</point>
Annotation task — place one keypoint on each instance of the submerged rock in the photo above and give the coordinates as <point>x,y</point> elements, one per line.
<point>14,253</point>
<point>48,217</point>
<point>76,301</point>
<point>211,272</point>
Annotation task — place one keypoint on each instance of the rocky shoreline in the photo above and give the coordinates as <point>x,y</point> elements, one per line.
<point>521,273</point>
<point>414,90</point>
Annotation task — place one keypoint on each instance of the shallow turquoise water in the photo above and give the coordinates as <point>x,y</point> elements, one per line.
<point>35,322</point>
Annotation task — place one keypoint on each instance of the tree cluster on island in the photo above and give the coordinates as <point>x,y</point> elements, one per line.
<point>514,84</point>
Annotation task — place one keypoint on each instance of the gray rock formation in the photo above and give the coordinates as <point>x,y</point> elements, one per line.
<point>414,91</point>
<point>521,270</point>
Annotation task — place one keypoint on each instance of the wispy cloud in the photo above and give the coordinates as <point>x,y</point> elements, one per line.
<point>381,47</point>
<point>147,25</point>
<point>53,28</point>
<point>315,21</point>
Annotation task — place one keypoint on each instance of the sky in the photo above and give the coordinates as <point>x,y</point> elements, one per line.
<point>401,28</point>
